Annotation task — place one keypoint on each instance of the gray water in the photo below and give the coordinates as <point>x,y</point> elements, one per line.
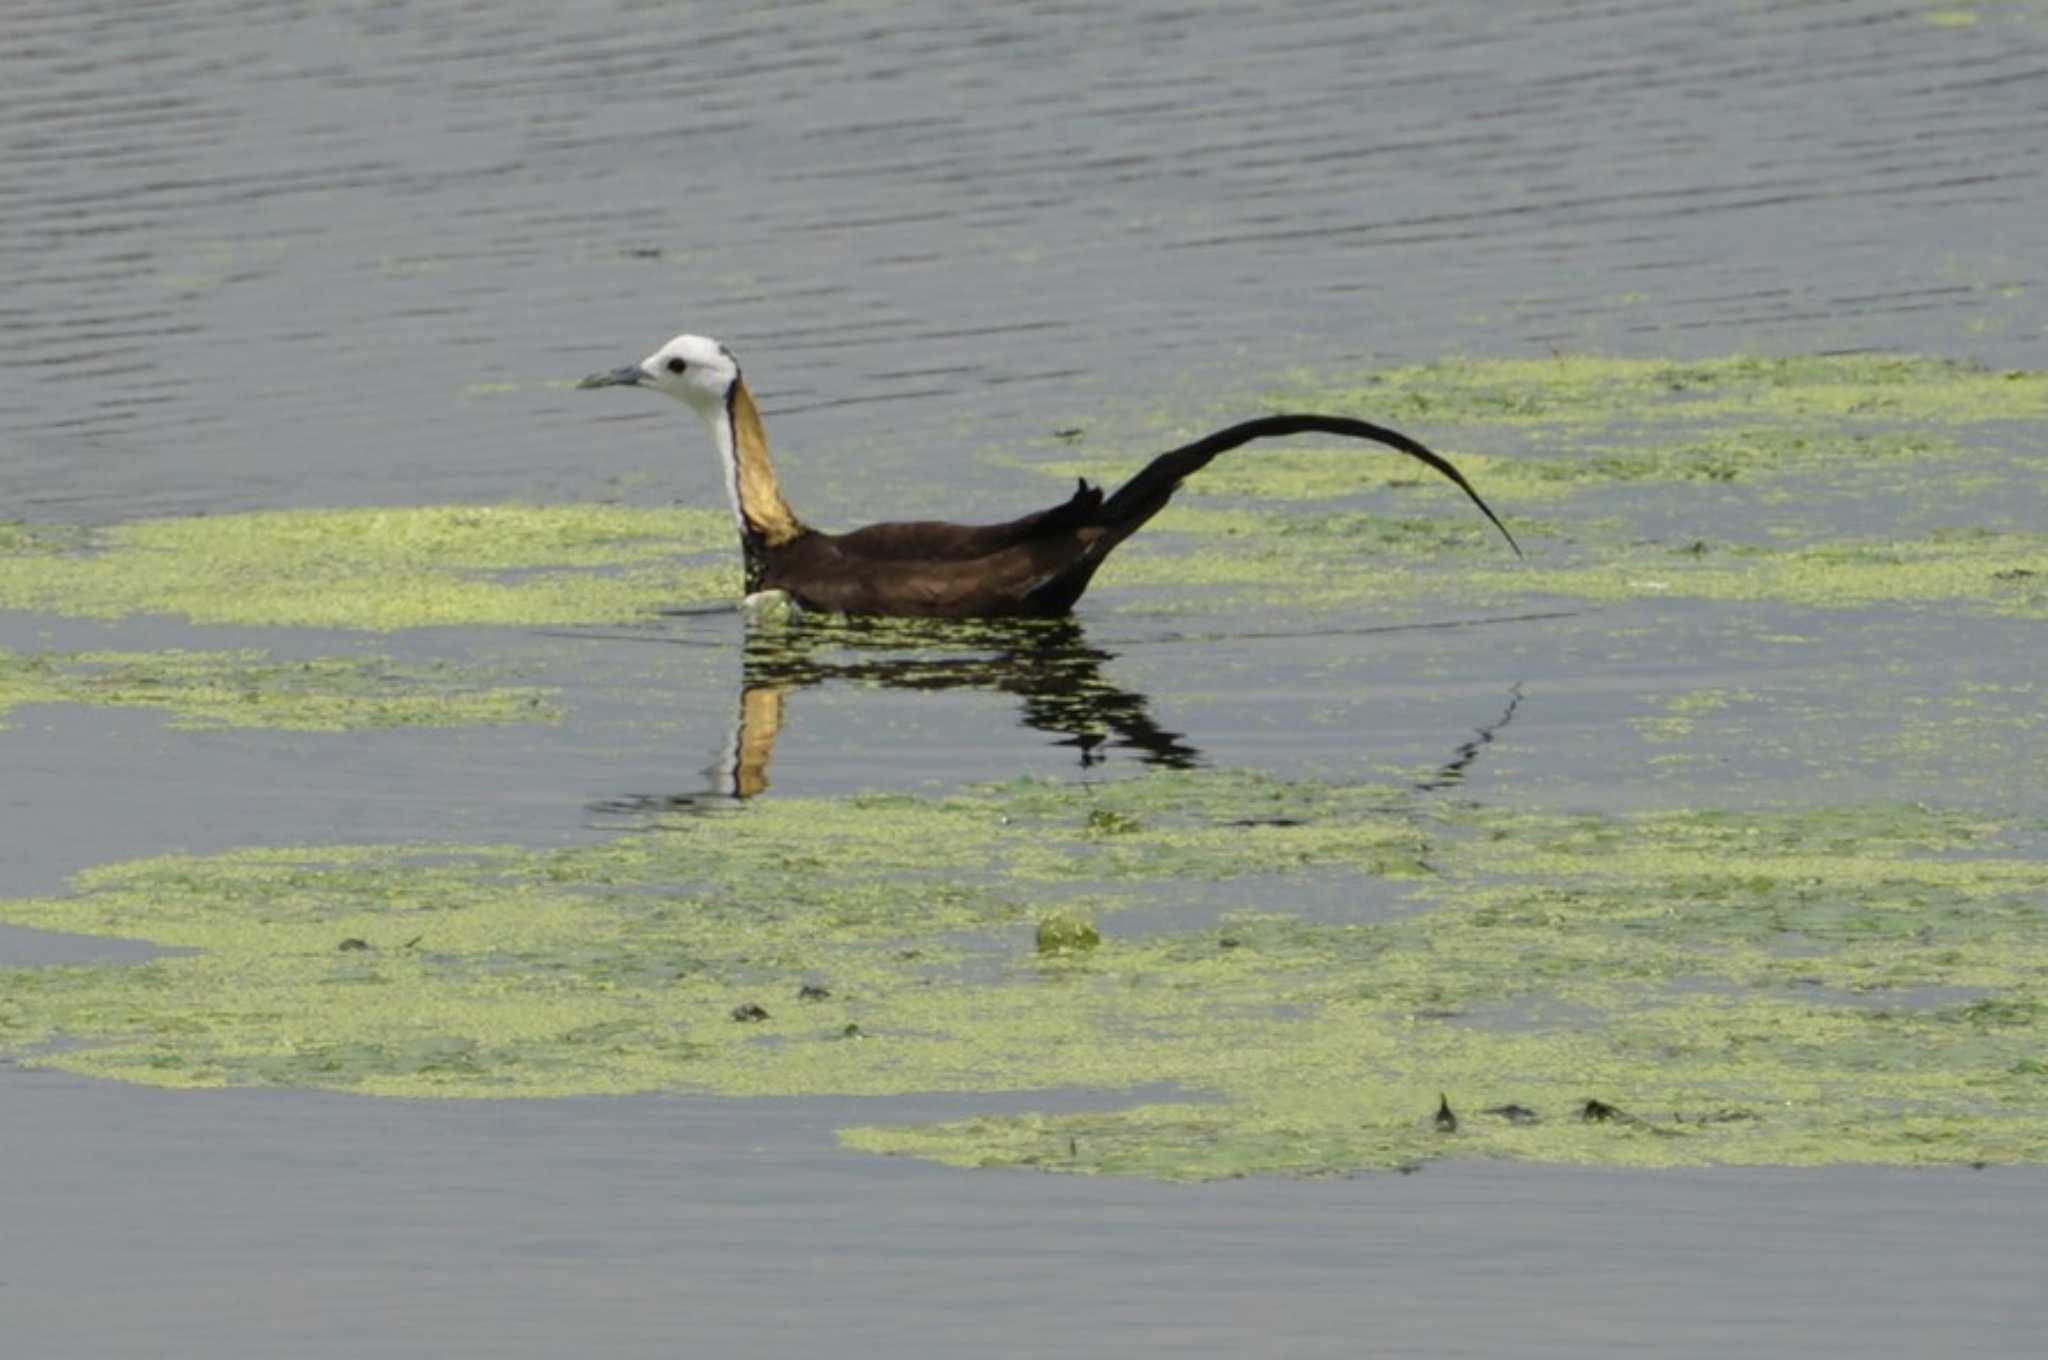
<point>257,255</point>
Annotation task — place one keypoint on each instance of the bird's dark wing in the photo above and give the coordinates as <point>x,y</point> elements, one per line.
<point>932,541</point>
<point>822,575</point>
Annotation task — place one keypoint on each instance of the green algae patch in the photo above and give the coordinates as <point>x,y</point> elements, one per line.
<point>1624,459</point>
<point>1980,570</point>
<point>1711,456</point>
<point>474,971</point>
<point>1591,389</point>
<point>250,688</point>
<point>1736,455</point>
<point>380,569</point>
<point>1854,983</point>
<point>1338,559</point>
<point>1066,932</point>
<point>1193,557</point>
<point>17,536</point>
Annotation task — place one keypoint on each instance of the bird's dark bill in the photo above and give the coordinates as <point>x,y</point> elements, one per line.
<point>619,377</point>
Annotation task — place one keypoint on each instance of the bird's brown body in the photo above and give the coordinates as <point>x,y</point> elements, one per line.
<point>1037,565</point>
<point>930,570</point>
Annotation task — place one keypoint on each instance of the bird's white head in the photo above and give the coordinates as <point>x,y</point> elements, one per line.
<point>694,369</point>
<point>702,374</point>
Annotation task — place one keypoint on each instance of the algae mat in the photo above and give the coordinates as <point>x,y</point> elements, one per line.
<point>252,688</point>
<point>377,569</point>
<point>1820,985</point>
<point>1722,479</point>
<point>1848,981</point>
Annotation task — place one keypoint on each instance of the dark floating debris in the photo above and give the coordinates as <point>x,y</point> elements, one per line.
<point>1514,1114</point>
<point>749,1012</point>
<point>1600,1112</point>
<point>352,944</point>
<point>852,1031</point>
<point>1446,1121</point>
<point>1108,822</point>
<point>811,991</point>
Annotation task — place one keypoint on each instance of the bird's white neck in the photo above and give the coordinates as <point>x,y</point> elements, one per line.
<point>758,509</point>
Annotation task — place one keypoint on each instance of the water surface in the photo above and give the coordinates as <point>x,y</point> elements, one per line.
<point>259,257</point>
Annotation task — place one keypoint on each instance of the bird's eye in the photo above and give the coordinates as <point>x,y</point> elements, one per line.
<point>676,365</point>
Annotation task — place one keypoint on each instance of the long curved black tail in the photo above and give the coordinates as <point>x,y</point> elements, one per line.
<point>1145,495</point>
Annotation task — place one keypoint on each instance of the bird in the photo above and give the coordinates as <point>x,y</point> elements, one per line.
<point>1037,565</point>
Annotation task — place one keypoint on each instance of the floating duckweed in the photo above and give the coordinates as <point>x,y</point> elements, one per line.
<point>380,569</point>
<point>253,689</point>
<point>1109,822</point>
<point>1856,983</point>
<point>1066,932</point>
<point>1597,442</point>
<point>1984,571</point>
<point>1330,560</point>
<point>1325,474</point>
<point>16,536</point>
<point>1586,389</point>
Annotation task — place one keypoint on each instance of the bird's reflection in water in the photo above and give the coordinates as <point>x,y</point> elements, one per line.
<point>1048,664</point>
<point>1452,772</point>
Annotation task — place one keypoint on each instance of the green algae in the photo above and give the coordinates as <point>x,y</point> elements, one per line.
<point>1709,456</point>
<point>379,569</point>
<point>1852,983</point>
<point>1737,455</point>
<point>1980,570</point>
<point>251,688</point>
<point>1708,978</point>
<point>1334,560</point>
<point>18,536</point>
<point>1615,451</point>
<point>1588,389</point>
<point>1066,932</point>
<point>1195,559</point>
